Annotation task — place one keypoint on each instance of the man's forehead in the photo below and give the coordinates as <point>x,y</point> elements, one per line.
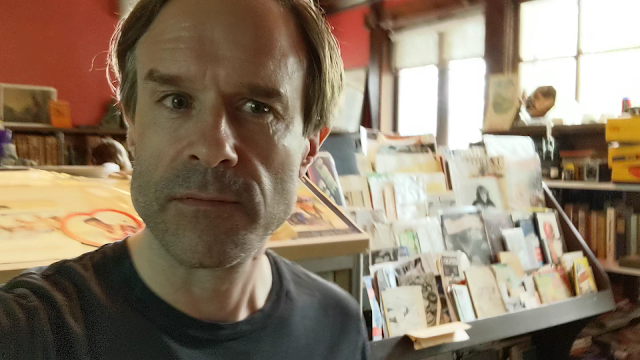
<point>241,31</point>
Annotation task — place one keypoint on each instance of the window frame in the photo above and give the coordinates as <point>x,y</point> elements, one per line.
<point>442,112</point>
<point>579,52</point>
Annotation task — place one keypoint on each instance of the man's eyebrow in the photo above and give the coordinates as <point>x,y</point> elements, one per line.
<point>155,76</point>
<point>266,92</point>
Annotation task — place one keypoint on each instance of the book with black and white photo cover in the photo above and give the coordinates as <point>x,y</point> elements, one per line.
<point>384,256</point>
<point>464,230</point>
<point>463,303</point>
<point>485,294</point>
<point>450,266</point>
<point>415,265</point>
<point>483,193</point>
<point>478,181</point>
<point>494,222</point>
<point>427,283</point>
<point>404,310</point>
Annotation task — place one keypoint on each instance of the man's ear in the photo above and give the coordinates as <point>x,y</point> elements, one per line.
<point>315,141</point>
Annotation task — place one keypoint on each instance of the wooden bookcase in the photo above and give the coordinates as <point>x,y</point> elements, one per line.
<point>74,138</point>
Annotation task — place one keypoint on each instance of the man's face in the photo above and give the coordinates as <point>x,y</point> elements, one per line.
<point>218,130</point>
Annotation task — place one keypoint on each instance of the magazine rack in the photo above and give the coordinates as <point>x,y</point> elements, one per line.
<point>553,327</point>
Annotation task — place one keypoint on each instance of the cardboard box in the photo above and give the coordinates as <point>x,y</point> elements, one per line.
<point>624,156</point>
<point>623,130</point>
<point>625,174</point>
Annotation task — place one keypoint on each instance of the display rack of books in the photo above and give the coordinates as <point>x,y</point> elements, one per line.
<point>594,167</point>
<point>47,145</point>
<point>469,248</point>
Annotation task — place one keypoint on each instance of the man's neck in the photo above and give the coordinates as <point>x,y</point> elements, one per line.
<point>215,295</point>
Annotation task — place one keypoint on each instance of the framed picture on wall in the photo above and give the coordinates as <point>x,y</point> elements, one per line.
<point>26,104</point>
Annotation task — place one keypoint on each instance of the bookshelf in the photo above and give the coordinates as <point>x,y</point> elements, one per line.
<point>594,186</point>
<point>45,129</point>
<point>553,327</point>
<point>556,131</point>
<point>71,146</point>
<point>613,267</point>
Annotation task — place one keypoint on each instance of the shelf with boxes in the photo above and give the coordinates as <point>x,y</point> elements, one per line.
<point>594,186</point>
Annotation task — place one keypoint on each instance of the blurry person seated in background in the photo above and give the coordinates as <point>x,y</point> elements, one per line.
<point>111,151</point>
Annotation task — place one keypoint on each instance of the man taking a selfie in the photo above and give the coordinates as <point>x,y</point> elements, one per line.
<point>227,102</point>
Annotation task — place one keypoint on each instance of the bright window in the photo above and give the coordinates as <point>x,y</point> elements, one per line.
<point>418,100</point>
<point>453,47</point>
<point>466,102</point>
<point>589,50</point>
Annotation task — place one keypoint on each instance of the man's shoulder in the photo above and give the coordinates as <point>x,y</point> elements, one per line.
<point>308,288</point>
<point>82,269</point>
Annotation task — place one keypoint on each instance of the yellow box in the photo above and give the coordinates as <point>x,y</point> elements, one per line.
<point>624,156</point>
<point>623,130</point>
<point>625,174</point>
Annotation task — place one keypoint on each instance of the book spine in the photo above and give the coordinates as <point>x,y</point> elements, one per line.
<point>582,225</point>
<point>593,232</point>
<point>611,235</point>
<point>602,236</point>
<point>569,209</point>
<point>42,150</point>
<point>620,237</point>
<point>633,234</point>
<point>33,147</point>
<point>17,141</point>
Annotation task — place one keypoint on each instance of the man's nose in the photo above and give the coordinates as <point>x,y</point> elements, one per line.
<point>214,139</point>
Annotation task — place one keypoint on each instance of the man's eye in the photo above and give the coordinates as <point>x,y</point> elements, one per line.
<point>176,102</point>
<point>256,107</point>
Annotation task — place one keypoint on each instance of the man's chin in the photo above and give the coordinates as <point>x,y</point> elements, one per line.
<point>215,250</point>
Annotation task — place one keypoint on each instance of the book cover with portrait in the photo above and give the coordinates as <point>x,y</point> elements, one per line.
<point>464,230</point>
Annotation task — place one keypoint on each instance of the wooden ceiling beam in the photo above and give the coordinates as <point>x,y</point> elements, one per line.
<point>397,15</point>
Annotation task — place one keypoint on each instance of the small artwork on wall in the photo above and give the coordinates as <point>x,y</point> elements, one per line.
<point>26,104</point>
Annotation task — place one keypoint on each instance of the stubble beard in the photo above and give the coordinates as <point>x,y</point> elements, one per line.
<point>200,239</point>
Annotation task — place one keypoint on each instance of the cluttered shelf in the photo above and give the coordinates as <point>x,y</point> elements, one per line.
<point>558,130</point>
<point>500,327</point>
<point>595,186</point>
<point>46,129</point>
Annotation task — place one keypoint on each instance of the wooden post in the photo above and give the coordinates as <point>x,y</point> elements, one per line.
<point>502,36</point>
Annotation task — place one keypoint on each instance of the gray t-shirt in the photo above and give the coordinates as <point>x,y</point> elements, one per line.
<point>97,307</point>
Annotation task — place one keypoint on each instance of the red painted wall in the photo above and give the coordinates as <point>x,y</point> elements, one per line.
<point>353,36</point>
<point>55,43</point>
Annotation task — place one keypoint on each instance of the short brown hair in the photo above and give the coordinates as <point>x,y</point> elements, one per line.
<point>324,69</point>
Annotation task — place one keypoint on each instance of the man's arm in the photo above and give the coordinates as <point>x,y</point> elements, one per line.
<point>25,330</point>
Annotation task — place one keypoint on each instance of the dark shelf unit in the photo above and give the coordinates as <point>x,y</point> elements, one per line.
<point>553,327</point>
<point>67,136</point>
<point>27,129</point>
<point>556,131</point>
